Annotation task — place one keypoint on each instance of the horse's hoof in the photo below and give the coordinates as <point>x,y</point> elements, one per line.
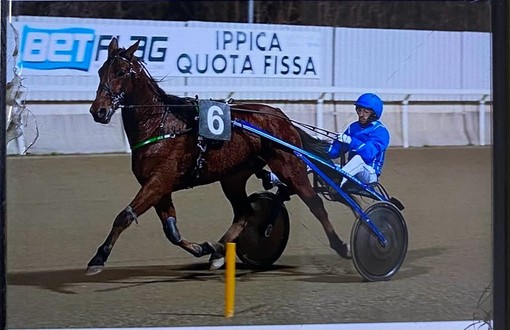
<point>348,254</point>
<point>343,250</point>
<point>210,248</point>
<point>94,270</point>
<point>217,263</point>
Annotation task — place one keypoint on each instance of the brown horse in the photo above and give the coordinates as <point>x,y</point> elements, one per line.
<point>162,131</point>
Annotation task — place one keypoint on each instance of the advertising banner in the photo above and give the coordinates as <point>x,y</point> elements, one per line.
<point>80,46</point>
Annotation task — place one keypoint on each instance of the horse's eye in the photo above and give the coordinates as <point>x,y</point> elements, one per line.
<point>121,73</point>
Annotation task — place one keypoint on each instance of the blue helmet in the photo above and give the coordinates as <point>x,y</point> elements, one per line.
<point>371,101</point>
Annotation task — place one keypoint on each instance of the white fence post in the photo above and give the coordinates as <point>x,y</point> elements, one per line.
<point>481,120</point>
<point>405,122</point>
<point>20,143</point>
<point>319,116</point>
<point>127,146</point>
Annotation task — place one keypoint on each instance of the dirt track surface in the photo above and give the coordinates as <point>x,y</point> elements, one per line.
<point>61,208</point>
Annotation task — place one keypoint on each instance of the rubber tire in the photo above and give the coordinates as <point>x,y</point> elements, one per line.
<point>373,261</point>
<point>253,247</point>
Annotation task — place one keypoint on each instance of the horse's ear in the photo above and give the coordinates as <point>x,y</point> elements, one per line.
<point>113,46</point>
<point>132,49</point>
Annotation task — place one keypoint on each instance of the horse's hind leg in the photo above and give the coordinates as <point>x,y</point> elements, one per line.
<point>293,173</point>
<point>167,215</point>
<point>234,187</point>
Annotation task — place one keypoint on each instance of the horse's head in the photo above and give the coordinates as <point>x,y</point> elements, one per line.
<point>116,81</point>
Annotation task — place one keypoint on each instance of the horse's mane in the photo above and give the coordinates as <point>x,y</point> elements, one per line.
<point>187,109</point>
<point>183,108</point>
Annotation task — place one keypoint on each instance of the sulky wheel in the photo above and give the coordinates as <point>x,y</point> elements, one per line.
<point>374,261</point>
<point>264,238</point>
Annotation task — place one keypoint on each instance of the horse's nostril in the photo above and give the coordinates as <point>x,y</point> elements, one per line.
<point>101,113</point>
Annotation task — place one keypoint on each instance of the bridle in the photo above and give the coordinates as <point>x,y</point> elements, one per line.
<point>117,98</point>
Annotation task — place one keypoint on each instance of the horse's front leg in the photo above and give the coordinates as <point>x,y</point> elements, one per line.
<point>166,212</point>
<point>148,196</point>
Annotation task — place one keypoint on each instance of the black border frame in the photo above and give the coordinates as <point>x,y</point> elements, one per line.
<point>501,167</point>
<point>3,147</point>
<point>501,172</point>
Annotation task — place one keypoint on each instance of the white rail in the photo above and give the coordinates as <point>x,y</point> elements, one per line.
<point>314,94</point>
<point>404,96</point>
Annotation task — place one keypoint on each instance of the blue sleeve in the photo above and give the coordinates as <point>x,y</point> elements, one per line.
<point>377,143</point>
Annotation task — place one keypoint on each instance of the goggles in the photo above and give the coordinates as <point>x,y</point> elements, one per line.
<point>365,111</point>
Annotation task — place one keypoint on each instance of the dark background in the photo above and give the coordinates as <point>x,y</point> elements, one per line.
<point>423,15</point>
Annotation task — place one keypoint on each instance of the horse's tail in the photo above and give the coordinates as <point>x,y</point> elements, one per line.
<point>312,144</point>
<point>319,148</point>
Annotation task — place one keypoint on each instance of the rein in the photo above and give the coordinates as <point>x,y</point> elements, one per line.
<point>315,129</point>
<point>117,99</point>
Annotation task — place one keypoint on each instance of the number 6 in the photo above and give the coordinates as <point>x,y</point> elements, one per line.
<point>214,116</point>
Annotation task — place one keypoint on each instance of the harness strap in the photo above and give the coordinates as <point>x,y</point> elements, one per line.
<point>159,138</point>
<point>200,162</point>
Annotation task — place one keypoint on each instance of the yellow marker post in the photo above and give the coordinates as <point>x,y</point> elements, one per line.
<point>230,278</point>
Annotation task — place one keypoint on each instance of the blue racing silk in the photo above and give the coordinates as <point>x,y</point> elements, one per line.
<point>370,142</point>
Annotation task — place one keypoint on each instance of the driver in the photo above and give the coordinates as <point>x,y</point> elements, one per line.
<point>365,142</point>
